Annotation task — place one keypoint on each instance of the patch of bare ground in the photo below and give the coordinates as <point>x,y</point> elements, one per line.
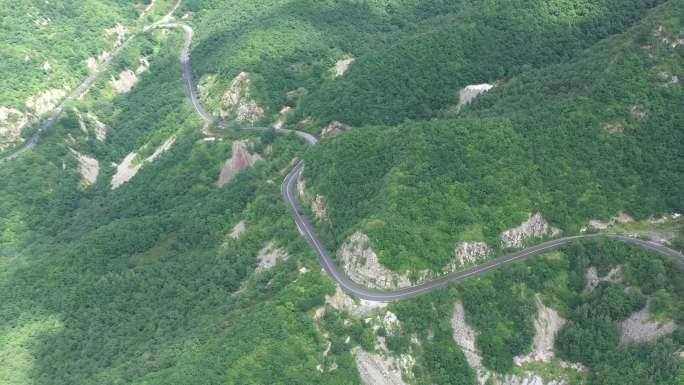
<point>534,227</point>
<point>237,102</point>
<point>88,167</point>
<point>269,256</point>
<point>376,369</point>
<point>128,168</point>
<point>639,327</point>
<point>241,159</point>
<point>362,265</point>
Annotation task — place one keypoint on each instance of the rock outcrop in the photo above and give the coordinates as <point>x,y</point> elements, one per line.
<point>12,121</point>
<point>361,264</point>
<point>119,32</point>
<point>268,257</point>
<point>467,252</point>
<point>318,205</point>
<point>469,93</point>
<point>237,102</point>
<point>527,378</point>
<point>620,218</point>
<point>664,219</point>
<point>46,101</point>
<point>241,159</point>
<point>124,82</point>
<point>546,326</point>
<point>89,122</point>
<point>238,230</point>
<point>93,62</point>
<point>639,327</point>
<point>593,279</point>
<point>342,302</point>
<point>377,369</point>
<point>464,336</point>
<point>127,169</point>
<point>342,66</point>
<point>88,167</point>
<point>637,112</point>
<point>334,128</point>
<point>534,227</point>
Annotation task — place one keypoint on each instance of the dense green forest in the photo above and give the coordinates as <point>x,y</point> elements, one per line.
<point>592,334</point>
<point>538,143</point>
<point>144,284</point>
<point>63,34</point>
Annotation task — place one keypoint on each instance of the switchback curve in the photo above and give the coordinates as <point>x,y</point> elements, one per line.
<point>306,229</point>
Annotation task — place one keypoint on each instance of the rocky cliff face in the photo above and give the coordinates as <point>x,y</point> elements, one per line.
<point>464,336</point>
<point>469,93</point>
<point>128,168</point>
<point>467,252</point>
<point>546,326</point>
<point>342,66</point>
<point>620,218</point>
<point>268,257</point>
<point>124,82</point>
<point>12,121</point>
<point>318,205</point>
<point>88,167</point>
<point>361,264</point>
<point>241,159</point>
<point>639,327</point>
<point>46,101</point>
<point>237,102</point>
<point>334,128</point>
<point>534,227</point>
<point>342,302</point>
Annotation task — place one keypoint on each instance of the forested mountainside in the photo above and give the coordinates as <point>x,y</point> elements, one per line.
<point>141,245</point>
<point>585,139</point>
<point>48,47</point>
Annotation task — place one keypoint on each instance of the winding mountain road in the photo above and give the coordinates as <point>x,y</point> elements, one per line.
<point>288,188</point>
<point>83,87</point>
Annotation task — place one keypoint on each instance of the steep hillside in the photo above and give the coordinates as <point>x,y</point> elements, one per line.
<point>141,245</point>
<point>50,48</point>
<point>582,140</point>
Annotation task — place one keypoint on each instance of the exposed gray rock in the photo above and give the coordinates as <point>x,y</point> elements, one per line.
<point>129,168</point>
<point>12,121</point>
<point>620,218</point>
<point>546,326</point>
<point>376,369</point>
<point>342,66</point>
<point>361,264</point>
<point>268,257</point>
<point>318,205</point>
<point>467,252</point>
<point>469,93</point>
<point>46,101</point>
<point>639,327</point>
<point>342,302</point>
<point>88,167</point>
<point>593,280</point>
<point>637,112</point>
<point>124,82</point>
<point>334,128</point>
<point>465,335</point>
<point>241,159</point>
<point>534,227</point>
<point>237,102</point>
<point>238,230</point>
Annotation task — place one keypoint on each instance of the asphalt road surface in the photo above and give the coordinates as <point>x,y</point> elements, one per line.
<point>303,223</point>
<point>288,189</point>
